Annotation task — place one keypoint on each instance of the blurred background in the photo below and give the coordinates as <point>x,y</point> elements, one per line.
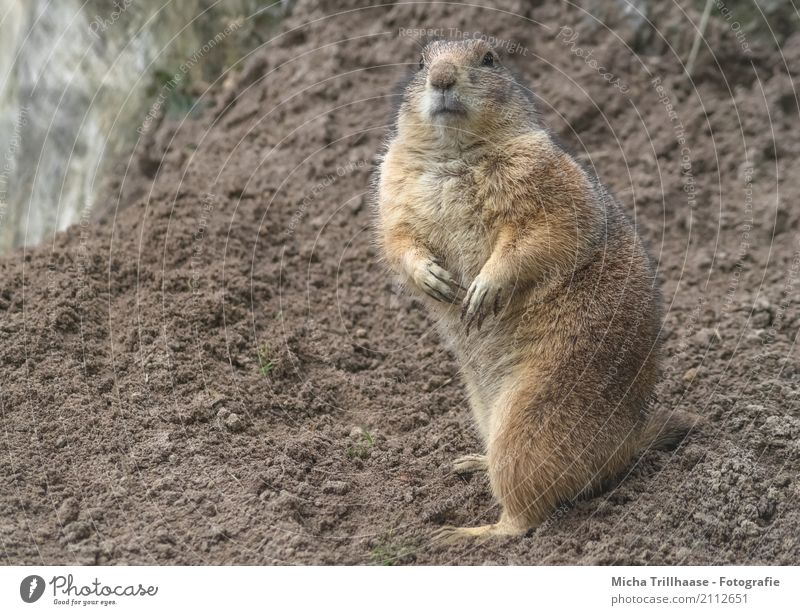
<point>77,77</point>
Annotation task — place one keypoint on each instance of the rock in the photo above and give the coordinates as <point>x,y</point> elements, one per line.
<point>783,221</point>
<point>217,532</point>
<point>704,518</point>
<point>762,314</point>
<point>747,528</point>
<point>336,487</point>
<point>217,400</point>
<point>233,422</point>
<point>356,205</point>
<point>780,427</point>
<point>68,511</point>
<point>766,507</point>
<point>257,485</point>
<point>77,531</point>
<point>707,337</point>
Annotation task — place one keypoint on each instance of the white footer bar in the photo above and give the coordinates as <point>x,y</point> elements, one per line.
<point>350,590</point>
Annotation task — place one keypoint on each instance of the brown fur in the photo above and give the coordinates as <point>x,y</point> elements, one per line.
<point>557,331</point>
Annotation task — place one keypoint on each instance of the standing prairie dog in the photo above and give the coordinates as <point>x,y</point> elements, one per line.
<point>536,279</point>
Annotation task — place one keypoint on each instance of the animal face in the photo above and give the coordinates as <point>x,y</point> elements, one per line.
<point>460,84</point>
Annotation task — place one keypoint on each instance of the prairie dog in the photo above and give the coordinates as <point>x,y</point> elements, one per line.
<point>536,279</point>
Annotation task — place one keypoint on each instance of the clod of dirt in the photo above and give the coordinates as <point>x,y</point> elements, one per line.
<point>69,510</point>
<point>233,422</point>
<point>337,487</point>
<point>77,531</point>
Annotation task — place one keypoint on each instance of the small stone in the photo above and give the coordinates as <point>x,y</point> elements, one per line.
<point>421,418</point>
<point>761,316</point>
<point>704,518</point>
<point>217,532</point>
<point>77,531</point>
<point>780,427</point>
<point>360,333</point>
<point>766,508</point>
<point>217,400</point>
<point>69,511</point>
<point>233,422</point>
<point>707,337</point>
<point>747,528</point>
<point>690,374</point>
<point>357,204</point>
<point>783,221</point>
<point>95,515</point>
<point>337,487</point>
<point>256,485</point>
<point>783,480</point>
<point>762,304</point>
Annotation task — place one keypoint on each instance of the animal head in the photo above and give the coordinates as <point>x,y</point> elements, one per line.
<point>462,89</point>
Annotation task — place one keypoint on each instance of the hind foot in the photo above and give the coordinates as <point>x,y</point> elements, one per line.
<point>449,534</point>
<point>470,463</point>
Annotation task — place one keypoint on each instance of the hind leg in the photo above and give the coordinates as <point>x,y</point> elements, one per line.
<point>504,527</point>
<point>526,495</point>
<point>525,490</point>
<point>528,470</point>
<point>480,413</point>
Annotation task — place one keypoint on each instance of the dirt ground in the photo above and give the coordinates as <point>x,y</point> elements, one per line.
<point>215,368</point>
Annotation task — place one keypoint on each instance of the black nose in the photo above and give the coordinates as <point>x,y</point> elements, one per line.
<point>442,75</point>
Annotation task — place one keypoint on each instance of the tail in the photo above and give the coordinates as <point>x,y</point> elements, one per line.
<point>667,429</point>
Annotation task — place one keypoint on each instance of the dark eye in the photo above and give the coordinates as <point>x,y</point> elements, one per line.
<point>488,59</point>
<point>421,62</point>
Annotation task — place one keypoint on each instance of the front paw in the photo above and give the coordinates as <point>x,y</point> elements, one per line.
<point>437,282</point>
<point>483,295</point>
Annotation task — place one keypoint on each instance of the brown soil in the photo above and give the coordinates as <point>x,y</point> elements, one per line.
<point>139,425</point>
